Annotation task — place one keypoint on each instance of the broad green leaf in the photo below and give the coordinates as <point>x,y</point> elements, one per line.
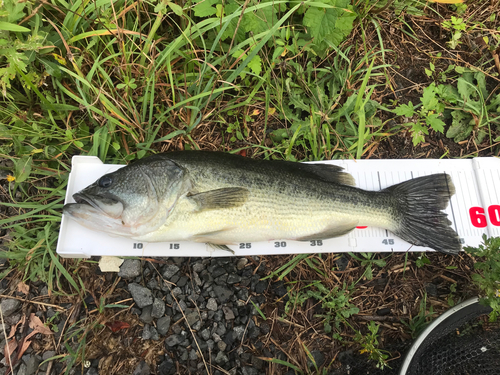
<point>7,26</point>
<point>460,128</point>
<point>14,9</point>
<point>435,123</point>
<point>331,24</point>
<point>465,88</point>
<point>204,8</point>
<point>260,20</point>
<point>176,8</point>
<point>22,168</point>
<point>418,133</point>
<point>256,65</point>
<point>429,100</point>
<point>406,110</point>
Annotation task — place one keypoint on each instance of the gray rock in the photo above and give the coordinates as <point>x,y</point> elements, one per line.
<point>247,370</point>
<point>146,332</point>
<point>22,369</point>
<point>167,367</point>
<point>158,308</point>
<point>183,355</point>
<point>146,315</point>
<point>46,355</point>
<point>192,317</point>
<point>222,293</point>
<point>154,334</point>
<point>173,340</point>
<point>163,325</point>
<point>212,304</point>
<point>221,330</point>
<point>142,369</point>
<point>233,278</point>
<point>221,358</point>
<point>240,331</point>
<point>205,334</point>
<point>92,371</point>
<point>228,313</point>
<point>198,267</point>
<point>242,262</point>
<point>32,361</point>
<point>9,306</point>
<point>142,296</point>
<point>130,268</point>
<point>260,287</point>
<point>197,326</point>
<point>170,270</point>
<point>192,355</point>
<point>221,345</point>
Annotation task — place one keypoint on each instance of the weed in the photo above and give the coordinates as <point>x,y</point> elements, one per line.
<point>488,275</point>
<point>368,261</point>
<point>456,25</point>
<point>422,260</point>
<point>418,322</point>
<point>335,303</point>
<point>468,106</point>
<point>370,345</point>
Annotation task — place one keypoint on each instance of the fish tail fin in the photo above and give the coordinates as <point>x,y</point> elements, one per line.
<point>420,220</point>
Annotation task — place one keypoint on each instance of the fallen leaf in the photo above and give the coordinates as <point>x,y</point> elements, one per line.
<point>14,327</point>
<point>255,112</point>
<point>23,348</point>
<point>110,264</point>
<point>23,288</point>
<point>37,325</point>
<point>117,326</point>
<point>9,348</point>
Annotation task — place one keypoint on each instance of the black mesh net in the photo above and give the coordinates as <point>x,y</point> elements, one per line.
<point>465,343</point>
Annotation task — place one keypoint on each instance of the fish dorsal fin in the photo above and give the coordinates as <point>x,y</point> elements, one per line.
<point>331,173</point>
<point>220,198</point>
<point>324,172</point>
<point>334,230</point>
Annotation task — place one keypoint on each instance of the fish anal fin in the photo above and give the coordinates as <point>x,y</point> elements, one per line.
<point>220,247</point>
<point>220,198</point>
<point>334,230</point>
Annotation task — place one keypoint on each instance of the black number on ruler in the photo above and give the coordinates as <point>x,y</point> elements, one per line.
<point>280,244</point>
<point>388,241</point>
<point>138,245</point>
<point>245,245</point>
<point>175,246</point>
<point>316,243</point>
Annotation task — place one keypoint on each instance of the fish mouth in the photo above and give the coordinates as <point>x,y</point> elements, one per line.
<point>108,206</point>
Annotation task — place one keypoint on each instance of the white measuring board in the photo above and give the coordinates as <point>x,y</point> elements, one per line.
<point>474,210</point>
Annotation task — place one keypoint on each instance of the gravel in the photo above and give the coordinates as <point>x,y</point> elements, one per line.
<point>142,296</point>
<point>190,309</point>
<point>130,268</point>
<point>9,306</point>
<point>158,309</point>
<point>163,325</point>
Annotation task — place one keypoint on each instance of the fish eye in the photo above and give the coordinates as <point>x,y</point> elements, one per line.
<point>105,181</point>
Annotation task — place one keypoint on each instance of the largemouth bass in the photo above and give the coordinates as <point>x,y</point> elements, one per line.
<point>224,199</point>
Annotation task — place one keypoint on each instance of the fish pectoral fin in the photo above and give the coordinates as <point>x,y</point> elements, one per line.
<point>335,230</point>
<point>220,198</point>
